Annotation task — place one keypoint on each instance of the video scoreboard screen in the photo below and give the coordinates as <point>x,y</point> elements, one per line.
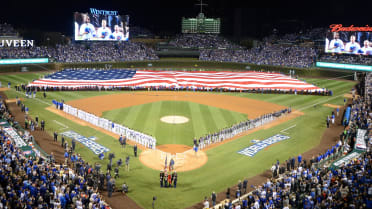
<point>349,40</point>
<point>101,25</point>
<point>201,24</point>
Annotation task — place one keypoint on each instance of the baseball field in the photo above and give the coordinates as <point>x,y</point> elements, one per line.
<point>206,113</point>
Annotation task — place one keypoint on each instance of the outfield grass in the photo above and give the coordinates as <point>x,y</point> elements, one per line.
<point>203,119</point>
<point>224,167</point>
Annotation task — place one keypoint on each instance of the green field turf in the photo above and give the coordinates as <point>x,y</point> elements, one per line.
<point>203,119</point>
<point>224,167</point>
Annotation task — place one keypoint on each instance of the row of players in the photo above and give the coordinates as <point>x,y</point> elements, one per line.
<point>87,31</point>
<point>337,45</point>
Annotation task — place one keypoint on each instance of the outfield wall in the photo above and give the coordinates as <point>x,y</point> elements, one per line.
<point>181,64</point>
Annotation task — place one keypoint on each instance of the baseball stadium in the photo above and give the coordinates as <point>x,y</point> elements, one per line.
<point>119,118</point>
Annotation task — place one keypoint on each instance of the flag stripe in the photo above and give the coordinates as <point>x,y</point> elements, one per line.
<point>194,79</point>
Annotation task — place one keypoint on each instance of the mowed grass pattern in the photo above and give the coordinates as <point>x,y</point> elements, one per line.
<point>224,167</point>
<point>203,119</point>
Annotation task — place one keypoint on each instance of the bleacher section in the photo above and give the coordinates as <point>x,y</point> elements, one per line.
<point>205,41</point>
<point>7,30</point>
<point>82,52</point>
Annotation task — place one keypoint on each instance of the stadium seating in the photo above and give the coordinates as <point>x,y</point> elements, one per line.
<point>92,52</point>
<point>7,30</point>
<point>345,58</point>
<point>322,183</point>
<point>206,41</point>
<point>27,181</point>
<point>290,56</point>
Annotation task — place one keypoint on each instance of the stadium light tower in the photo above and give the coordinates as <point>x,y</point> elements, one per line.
<point>201,6</point>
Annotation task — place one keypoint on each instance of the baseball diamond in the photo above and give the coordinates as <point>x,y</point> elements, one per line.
<point>214,111</point>
<point>136,105</point>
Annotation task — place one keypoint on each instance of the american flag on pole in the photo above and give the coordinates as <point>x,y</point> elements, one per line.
<point>173,79</point>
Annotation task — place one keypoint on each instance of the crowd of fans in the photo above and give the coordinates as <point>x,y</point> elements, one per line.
<point>345,59</point>
<point>7,30</point>
<point>303,187</point>
<point>278,55</point>
<point>139,32</point>
<point>368,84</point>
<point>86,52</point>
<point>314,184</point>
<point>207,41</point>
<point>36,182</point>
<point>300,36</point>
<point>274,50</point>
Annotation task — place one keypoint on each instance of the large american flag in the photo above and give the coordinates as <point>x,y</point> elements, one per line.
<point>182,79</point>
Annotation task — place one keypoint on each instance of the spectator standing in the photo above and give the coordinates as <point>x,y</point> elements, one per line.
<point>299,159</point>
<point>127,163</point>
<point>214,198</point>
<point>228,193</point>
<point>206,203</point>
<point>55,136</point>
<point>245,183</point>
<point>109,188</point>
<point>73,143</point>
<point>125,188</point>
<point>135,150</point>
<point>42,124</point>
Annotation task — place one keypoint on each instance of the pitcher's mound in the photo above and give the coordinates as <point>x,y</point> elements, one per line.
<point>174,119</point>
<point>183,160</point>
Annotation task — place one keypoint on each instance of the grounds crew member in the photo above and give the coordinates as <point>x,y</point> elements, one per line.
<point>73,143</point>
<point>116,170</point>
<point>135,150</point>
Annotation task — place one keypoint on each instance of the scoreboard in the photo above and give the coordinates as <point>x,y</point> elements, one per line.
<point>201,24</point>
<point>212,25</point>
<point>189,25</point>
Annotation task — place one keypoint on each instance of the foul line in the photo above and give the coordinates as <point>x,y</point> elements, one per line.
<point>332,98</point>
<point>283,131</point>
<point>34,98</point>
<point>61,124</point>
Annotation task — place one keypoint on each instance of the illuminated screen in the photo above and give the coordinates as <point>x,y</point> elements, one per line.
<point>23,61</point>
<point>201,24</point>
<point>349,42</point>
<point>100,25</point>
<point>344,66</point>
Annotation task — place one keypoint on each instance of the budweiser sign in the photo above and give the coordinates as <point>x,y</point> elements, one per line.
<point>339,27</point>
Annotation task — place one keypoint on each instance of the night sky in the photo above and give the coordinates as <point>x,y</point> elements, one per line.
<point>238,19</point>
